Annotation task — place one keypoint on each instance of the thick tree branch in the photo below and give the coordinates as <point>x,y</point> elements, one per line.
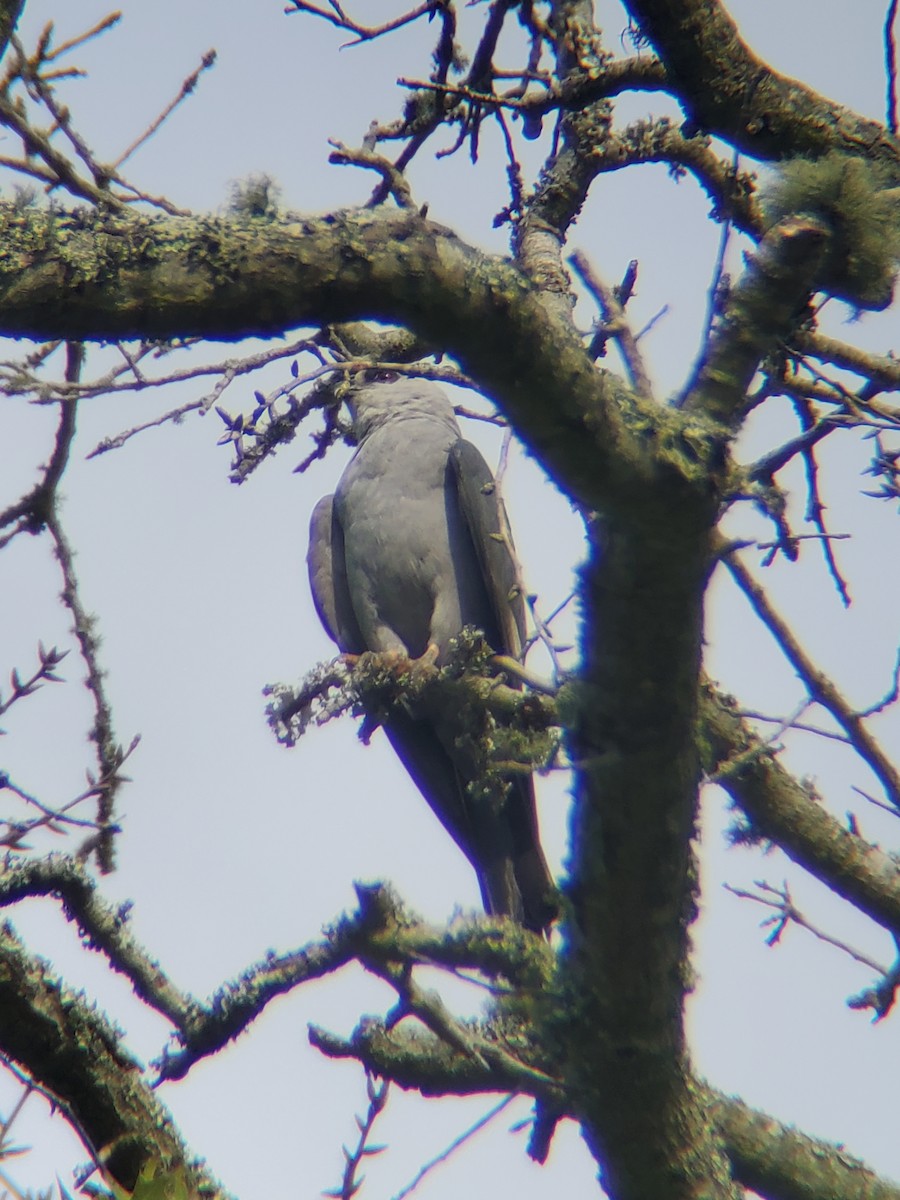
<point>571,168</point>
<point>632,880</point>
<point>730,92</point>
<point>70,1050</point>
<point>104,928</point>
<point>100,276</point>
<point>882,370</point>
<point>660,140</point>
<point>780,1163</point>
<point>773,1159</point>
<point>763,309</point>
<point>781,809</point>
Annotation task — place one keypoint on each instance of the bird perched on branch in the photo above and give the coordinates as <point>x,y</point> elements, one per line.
<point>412,547</point>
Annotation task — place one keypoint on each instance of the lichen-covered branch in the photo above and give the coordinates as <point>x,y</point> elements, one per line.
<point>75,1055</point>
<point>778,1161</point>
<point>104,928</point>
<point>730,92</point>
<point>820,687</point>
<point>762,310</point>
<point>773,1159</point>
<point>781,809</point>
<point>103,276</point>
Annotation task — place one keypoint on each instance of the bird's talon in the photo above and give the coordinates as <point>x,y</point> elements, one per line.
<point>430,657</point>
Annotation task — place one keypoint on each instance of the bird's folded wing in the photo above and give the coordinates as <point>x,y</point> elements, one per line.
<point>485,516</point>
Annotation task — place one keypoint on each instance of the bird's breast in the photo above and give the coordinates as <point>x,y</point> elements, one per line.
<point>410,562</point>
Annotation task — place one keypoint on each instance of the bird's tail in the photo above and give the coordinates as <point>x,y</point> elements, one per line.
<point>500,841</point>
<point>534,883</point>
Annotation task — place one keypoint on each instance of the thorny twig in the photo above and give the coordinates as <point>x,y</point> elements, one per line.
<point>48,661</point>
<point>109,753</point>
<point>51,817</point>
<point>351,1182</point>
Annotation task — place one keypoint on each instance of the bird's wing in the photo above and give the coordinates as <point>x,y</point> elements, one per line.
<point>328,578</point>
<point>485,516</point>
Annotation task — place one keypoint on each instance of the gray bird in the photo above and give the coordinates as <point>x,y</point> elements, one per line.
<point>402,557</point>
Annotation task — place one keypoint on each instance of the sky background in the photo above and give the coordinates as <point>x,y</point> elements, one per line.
<point>231,844</point>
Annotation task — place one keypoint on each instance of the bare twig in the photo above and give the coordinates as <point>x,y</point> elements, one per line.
<point>185,90</point>
<point>364,33</point>
<point>890,696</point>
<point>890,65</point>
<point>455,1145</point>
<point>821,689</point>
<point>761,747</point>
<point>815,508</point>
<point>615,323</point>
<point>351,1183</point>
<point>780,900</point>
<point>719,283</point>
<point>786,723</point>
<point>394,182</point>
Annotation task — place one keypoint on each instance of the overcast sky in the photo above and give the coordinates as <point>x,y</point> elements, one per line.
<point>232,845</point>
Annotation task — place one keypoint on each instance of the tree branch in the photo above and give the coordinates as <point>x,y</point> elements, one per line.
<point>101,276</point>
<point>729,92</point>
<point>70,1050</point>
<point>781,809</point>
<point>763,309</point>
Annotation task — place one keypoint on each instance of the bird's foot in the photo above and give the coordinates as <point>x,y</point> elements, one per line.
<point>429,658</point>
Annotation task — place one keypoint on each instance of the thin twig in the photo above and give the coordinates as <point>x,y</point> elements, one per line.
<point>890,697</point>
<point>718,283</point>
<point>185,90</point>
<point>780,900</point>
<point>455,1145</point>
<point>615,323</point>
<point>762,746</point>
<point>890,65</point>
<point>821,689</point>
<point>364,33</point>
<point>350,1183</point>
<point>815,508</point>
<point>785,724</point>
<point>542,632</point>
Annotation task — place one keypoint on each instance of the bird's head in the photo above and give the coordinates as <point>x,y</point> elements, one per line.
<point>375,404</point>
